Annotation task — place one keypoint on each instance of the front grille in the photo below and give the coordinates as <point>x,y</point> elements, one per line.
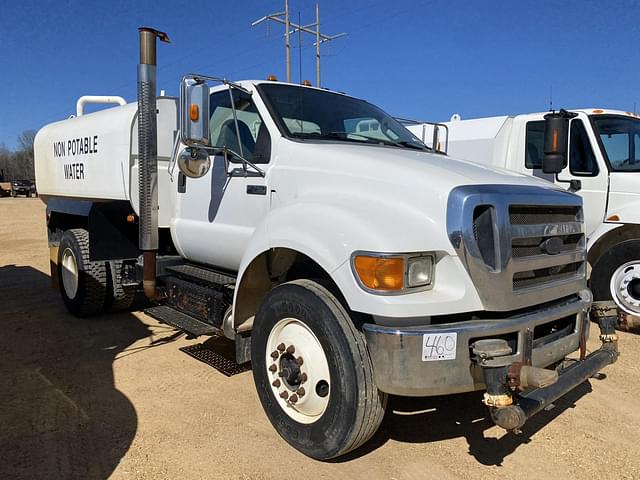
<point>541,214</point>
<point>541,276</point>
<point>530,246</point>
<point>521,245</point>
<point>547,245</point>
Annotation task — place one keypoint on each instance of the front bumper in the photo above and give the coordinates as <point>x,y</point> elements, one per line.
<point>397,352</point>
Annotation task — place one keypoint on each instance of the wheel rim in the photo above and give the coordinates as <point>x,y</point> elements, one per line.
<point>69,273</point>
<point>625,287</point>
<point>298,370</point>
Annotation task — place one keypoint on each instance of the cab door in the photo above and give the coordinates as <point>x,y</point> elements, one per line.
<point>585,164</point>
<point>217,214</point>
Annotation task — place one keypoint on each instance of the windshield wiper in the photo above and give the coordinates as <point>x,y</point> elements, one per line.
<point>408,144</point>
<point>349,137</point>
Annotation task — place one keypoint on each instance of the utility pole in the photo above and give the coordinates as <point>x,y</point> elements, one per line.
<point>317,45</point>
<point>320,38</point>
<point>287,43</point>
<point>281,17</point>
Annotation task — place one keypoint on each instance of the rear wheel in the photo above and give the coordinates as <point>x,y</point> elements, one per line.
<point>83,283</point>
<point>616,276</point>
<point>119,296</point>
<point>312,371</point>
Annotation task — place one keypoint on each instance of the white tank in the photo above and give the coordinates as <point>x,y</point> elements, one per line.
<point>95,156</point>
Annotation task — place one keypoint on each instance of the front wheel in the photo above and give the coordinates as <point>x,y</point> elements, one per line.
<point>616,276</point>
<point>312,371</point>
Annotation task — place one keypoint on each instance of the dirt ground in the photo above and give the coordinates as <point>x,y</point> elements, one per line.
<point>113,397</point>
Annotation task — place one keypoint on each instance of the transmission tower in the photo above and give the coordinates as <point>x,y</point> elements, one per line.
<point>290,27</point>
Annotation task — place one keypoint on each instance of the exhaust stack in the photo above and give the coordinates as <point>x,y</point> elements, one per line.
<point>148,155</point>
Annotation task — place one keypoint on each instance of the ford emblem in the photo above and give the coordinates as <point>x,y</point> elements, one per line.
<point>552,245</point>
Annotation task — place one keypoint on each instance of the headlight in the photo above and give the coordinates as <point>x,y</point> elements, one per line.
<point>393,273</point>
<point>420,271</point>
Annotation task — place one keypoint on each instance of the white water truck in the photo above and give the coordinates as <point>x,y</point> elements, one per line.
<point>345,262</point>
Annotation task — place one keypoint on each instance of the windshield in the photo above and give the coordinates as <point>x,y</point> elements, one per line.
<point>620,141</point>
<point>308,113</point>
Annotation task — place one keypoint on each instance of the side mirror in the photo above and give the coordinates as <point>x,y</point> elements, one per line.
<point>556,138</point>
<point>194,112</point>
<point>194,162</point>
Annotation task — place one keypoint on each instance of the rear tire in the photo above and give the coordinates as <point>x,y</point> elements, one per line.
<point>341,407</point>
<point>119,297</point>
<point>83,283</point>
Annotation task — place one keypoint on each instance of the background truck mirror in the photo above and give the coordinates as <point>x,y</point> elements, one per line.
<point>194,112</point>
<point>556,136</point>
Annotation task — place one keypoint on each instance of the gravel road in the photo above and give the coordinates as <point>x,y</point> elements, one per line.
<point>113,397</point>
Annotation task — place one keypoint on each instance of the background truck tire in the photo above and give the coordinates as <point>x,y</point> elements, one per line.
<point>84,291</point>
<point>354,406</point>
<point>606,265</point>
<point>119,297</point>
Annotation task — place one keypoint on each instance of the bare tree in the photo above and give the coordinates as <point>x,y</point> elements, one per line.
<point>18,164</point>
<point>26,139</point>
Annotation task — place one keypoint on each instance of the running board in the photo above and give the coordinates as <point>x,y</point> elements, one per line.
<point>200,274</point>
<point>182,321</point>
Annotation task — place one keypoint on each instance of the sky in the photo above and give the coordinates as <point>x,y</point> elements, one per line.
<point>415,59</point>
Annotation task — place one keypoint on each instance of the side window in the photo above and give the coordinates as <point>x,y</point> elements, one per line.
<point>254,142</point>
<point>582,161</point>
<point>534,140</point>
<point>617,148</point>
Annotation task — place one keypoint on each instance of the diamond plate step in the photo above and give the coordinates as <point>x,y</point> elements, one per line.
<point>202,274</point>
<point>218,353</point>
<point>182,321</point>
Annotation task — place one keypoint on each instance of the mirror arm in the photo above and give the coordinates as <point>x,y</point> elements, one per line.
<point>226,151</point>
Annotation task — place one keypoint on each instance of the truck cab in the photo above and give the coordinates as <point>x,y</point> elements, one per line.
<point>603,167</point>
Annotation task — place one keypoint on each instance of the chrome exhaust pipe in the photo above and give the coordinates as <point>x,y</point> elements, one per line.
<point>148,156</point>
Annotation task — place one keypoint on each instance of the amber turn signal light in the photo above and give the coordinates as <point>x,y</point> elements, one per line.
<point>194,112</point>
<point>380,273</point>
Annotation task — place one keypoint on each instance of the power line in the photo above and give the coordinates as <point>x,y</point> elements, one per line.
<point>320,38</point>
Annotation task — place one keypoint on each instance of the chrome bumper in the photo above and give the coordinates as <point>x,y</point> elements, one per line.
<point>396,352</point>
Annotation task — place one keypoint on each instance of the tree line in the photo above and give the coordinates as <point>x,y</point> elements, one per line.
<point>18,164</point>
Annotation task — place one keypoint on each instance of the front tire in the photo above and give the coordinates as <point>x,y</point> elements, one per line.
<point>83,283</point>
<point>608,283</point>
<point>312,371</point>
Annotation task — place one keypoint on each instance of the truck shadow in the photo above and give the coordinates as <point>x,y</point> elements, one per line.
<point>433,419</point>
<point>427,420</point>
<point>62,415</point>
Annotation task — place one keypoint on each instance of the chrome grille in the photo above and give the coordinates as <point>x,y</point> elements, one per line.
<point>547,244</point>
<point>537,214</point>
<point>541,276</point>
<point>522,245</point>
<point>530,246</point>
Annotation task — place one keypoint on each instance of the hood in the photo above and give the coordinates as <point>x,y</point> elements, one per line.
<point>400,166</point>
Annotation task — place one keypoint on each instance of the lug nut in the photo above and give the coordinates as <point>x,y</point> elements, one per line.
<point>276,383</point>
<point>300,392</point>
<point>281,347</point>
<point>275,354</point>
<point>303,377</point>
<point>291,349</point>
<point>284,395</point>
<point>299,361</point>
<point>273,367</point>
<point>293,398</point>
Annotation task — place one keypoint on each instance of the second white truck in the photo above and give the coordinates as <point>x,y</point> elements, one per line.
<point>603,167</point>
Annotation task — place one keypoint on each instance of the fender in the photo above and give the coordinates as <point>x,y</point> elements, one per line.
<point>626,206</point>
<point>306,228</point>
